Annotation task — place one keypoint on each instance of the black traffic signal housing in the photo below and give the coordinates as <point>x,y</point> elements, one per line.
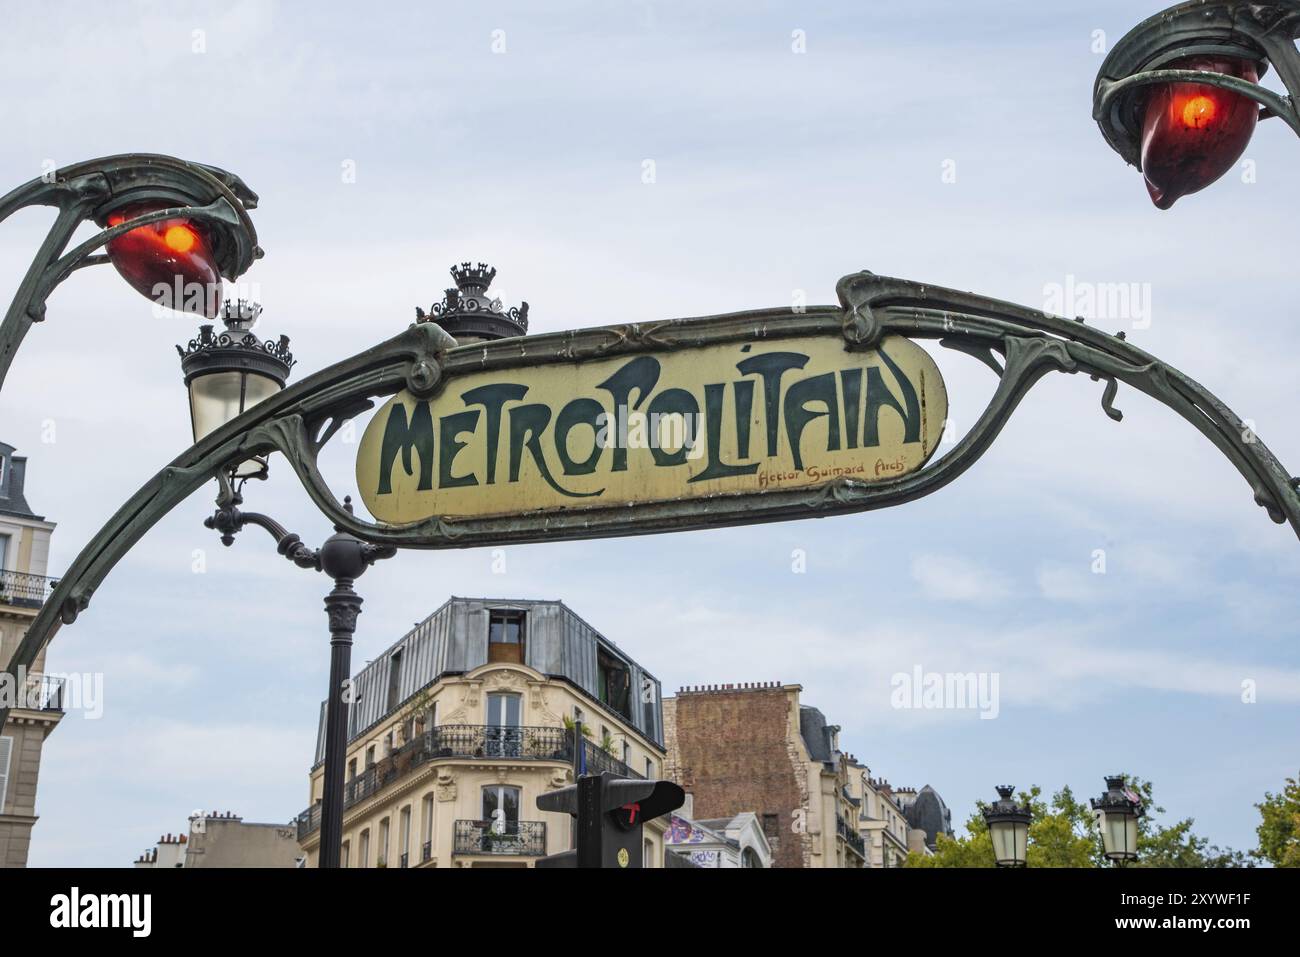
<point>609,813</point>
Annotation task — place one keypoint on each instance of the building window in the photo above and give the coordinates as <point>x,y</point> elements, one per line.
<point>352,769</point>
<point>370,757</point>
<point>383,843</point>
<point>502,737</point>
<point>502,802</point>
<point>648,855</point>
<point>363,859</point>
<point>426,827</point>
<point>404,835</point>
<point>614,681</point>
<point>506,636</point>
<point>394,680</point>
<point>627,753</point>
<point>347,848</point>
<point>6,750</point>
<point>4,551</point>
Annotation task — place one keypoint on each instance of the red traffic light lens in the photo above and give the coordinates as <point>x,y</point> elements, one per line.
<point>170,261</point>
<point>1193,133</point>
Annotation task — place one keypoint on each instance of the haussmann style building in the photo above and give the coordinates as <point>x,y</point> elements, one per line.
<point>38,702</point>
<point>459,726</point>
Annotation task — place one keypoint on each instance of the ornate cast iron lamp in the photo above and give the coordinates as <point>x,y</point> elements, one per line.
<point>1178,97</point>
<point>468,315</point>
<point>227,373</point>
<point>1117,813</point>
<point>1009,828</point>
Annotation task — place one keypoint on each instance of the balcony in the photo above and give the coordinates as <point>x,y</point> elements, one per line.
<point>485,742</point>
<point>851,837</point>
<point>41,693</point>
<point>599,760</point>
<point>25,591</point>
<point>517,839</point>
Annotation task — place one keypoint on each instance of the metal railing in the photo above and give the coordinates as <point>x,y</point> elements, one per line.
<point>41,693</point>
<point>488,742</point>
<point>24,590</point>
<point>600,760</point>
<point>308,821</point>
<point>851,837</point>
<point>517,838</point>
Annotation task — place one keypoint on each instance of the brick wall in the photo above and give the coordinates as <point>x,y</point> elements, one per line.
<point>729,747</point>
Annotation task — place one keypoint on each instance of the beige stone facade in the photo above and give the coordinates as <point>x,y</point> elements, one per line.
<point>879,817</point>
<point>24,553</point>
<point>449,776</point>
<point>225,840</point>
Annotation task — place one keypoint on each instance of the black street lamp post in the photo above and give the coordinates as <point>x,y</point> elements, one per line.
<point>225,375</point>
<point>1008,825</point>
<point>1117,813</point>
<point>343,557</point>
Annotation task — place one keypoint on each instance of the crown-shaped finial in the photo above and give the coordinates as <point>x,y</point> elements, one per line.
<point>473,279</point>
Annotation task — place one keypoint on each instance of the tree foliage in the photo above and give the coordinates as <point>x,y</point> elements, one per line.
<point>1279,829</point>
<point>1064,833</point>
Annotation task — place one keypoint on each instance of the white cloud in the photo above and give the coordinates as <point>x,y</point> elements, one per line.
<point>951,578</point>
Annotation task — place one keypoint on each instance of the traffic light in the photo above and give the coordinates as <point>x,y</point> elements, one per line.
<point>609,813</point>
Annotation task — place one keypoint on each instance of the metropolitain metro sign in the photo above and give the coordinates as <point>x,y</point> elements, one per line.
<point>695,422</point>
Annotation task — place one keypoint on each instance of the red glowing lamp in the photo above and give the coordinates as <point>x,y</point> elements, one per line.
<point>170,261</point>
<point>1193,133</point>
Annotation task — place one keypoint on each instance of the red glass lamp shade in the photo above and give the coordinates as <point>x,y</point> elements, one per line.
<point>170,261</point>
<point>1193,133</point>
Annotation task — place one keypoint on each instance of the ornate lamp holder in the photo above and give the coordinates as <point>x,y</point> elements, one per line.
<point>166,223</point>
<point>469,315</point>
<point>1177,96</point>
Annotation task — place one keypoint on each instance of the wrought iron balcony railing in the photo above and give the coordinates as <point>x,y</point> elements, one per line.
<point>517,838</point>
<point>488,742</point>
<point>43,693</point>
<point>599,760</point>
<point>851,837</point>
<point>23,590</point>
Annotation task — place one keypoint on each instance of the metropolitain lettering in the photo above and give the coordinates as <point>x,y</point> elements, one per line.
<point>636,417</point>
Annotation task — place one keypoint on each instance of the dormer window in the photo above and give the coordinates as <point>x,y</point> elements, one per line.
<point>506,636</point>
<point>615,682</point>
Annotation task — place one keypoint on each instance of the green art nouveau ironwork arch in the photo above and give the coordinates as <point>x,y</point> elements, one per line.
<point>1018,344</point>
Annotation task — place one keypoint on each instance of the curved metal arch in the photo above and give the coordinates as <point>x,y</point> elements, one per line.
<point>300,421</point>
<point>192,190</point>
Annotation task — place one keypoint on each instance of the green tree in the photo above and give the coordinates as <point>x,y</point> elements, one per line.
<point>1279,829</point>
<point>1064,833</point>
<point>1058,836</point>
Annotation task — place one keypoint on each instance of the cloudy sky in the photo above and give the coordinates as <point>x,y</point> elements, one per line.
<point>948,142</point>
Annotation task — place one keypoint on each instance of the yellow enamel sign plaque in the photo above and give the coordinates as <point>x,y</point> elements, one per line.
<point>687,423</point>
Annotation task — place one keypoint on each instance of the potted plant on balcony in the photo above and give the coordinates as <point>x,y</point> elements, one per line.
<point>420,707</point>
